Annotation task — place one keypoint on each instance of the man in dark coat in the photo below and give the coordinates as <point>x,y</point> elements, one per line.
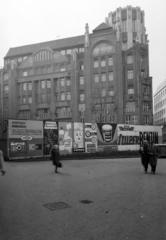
<point>55,157</point>
<point>153,153</point>
<point>144,155</point>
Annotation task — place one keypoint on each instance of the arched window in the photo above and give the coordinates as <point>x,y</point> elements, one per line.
<point>103,49</point>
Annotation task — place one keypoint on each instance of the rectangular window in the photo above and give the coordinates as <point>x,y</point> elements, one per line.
<point>145,107</point>
<point>146,120</point>
<point>111,92</point>
<point>103,92</point>
<point>112,119</point>
<point>68,96</point>
<point>81,66</point>
<point>81,49</point>
<point>63,96</point>
<point>30,72</point>
<point>68,51</point>
<point>38,98</point>
<point>129,59</point>
<point>81,79</point>
<point>43,97</point>
<point>103,64</point>
<point>111,76</point>
<point>103,77</point>
<point>48,97</point>
<point>110,61</point>
<point>130,89</point>
<point>134,24</point>
<point>43,84</point>
<point>6,89</point>
<point>130,74</point>
<point>145,90</point>
<point>96,64</point>
<point>63,52</point>
<point>82,97</point>
<point>6,76</point>
<point>24,100</point>
<point>96,78</point>
<point>48,83</point>
<point>68,82</point>
<point>25,73</point>
<point>29,86</point>
<point>124,45</point>
<point>24,86</point>
<point>62,68</point>
<point>62,82</point>
<point>19,59</point>
<point>30,99</point>
<point>24,114</point>
<point>124,26</point>
<point>131,119</point>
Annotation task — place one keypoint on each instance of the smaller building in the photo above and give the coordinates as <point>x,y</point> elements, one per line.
<point>160,104</point>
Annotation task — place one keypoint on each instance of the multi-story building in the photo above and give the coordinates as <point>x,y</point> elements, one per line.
<point>160,104</point>
<point>101,76</point>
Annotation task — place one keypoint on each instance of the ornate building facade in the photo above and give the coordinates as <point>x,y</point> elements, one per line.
<point>101,76</point>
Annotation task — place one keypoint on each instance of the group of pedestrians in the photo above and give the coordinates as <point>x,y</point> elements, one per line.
<point>149,153</point>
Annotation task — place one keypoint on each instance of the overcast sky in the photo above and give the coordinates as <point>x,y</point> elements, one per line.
<point>25,22</point>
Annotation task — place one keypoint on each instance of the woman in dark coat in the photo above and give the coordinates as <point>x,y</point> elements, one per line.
<point>153,152</point>
<point>55,157</point>
<point>144,155</point>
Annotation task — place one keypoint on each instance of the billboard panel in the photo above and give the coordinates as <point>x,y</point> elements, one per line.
<point>23,137</point>
<point>106,136</point>
<point>65,137</point>
<point>50,136</point>
<point>78,138</point>
<point>90,137</point>
<point>131,137</point>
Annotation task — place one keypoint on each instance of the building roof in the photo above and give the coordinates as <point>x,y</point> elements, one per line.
<point>160,86</point>
<point>101,27</point>
<point>55,44</point>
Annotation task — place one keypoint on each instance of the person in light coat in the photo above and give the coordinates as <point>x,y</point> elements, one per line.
<point>2,163</point>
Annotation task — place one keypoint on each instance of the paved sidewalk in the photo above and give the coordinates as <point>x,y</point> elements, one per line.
<point>127,204</point>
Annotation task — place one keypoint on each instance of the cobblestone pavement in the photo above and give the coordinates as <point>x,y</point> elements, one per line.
<point>127,204</point>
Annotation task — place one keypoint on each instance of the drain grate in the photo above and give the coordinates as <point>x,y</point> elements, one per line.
<point>56,205</point>
<point>86,201</point>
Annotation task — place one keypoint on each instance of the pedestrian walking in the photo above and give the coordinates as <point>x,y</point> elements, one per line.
<point>2,163</point>
<point>144,155</point>
<point>153,153</point>
<point>55,155</point>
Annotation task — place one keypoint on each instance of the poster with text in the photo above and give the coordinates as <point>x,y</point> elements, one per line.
<point>22,135</point>
<point>90,137</point>
<point>50,136</point>
<point>131,137</point>
<point>78,139</point>
<point>65,137</point>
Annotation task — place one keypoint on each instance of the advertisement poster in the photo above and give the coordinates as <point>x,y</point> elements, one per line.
<point>50,136</point>
<point>78,143</point>
<point>23,137</point>
<point>90,137</point>
<point>65,137</point>
<point>131,137</point>
<point>106,136</point>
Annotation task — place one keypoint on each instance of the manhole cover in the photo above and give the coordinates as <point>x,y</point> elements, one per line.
<point>56,205</point>
<point>86,201</point>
